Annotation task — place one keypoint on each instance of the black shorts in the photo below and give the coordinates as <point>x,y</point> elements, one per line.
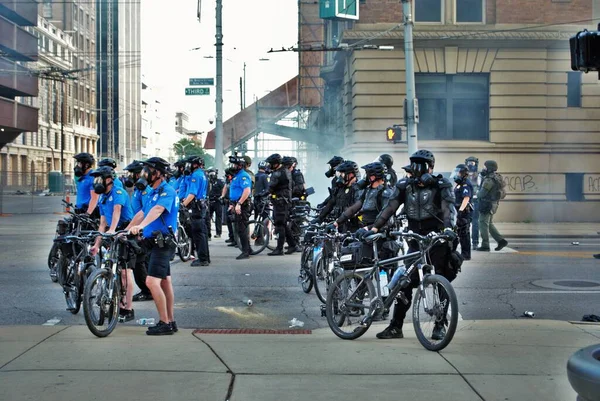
<point>159,265</point>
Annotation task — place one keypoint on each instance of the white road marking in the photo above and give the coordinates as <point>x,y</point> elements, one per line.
<point>460,318</point>
<point>560,292</point>
<point>52,322</point>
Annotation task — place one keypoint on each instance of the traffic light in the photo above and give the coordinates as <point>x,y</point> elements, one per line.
<point>585,51</point>
<point>393,134</point>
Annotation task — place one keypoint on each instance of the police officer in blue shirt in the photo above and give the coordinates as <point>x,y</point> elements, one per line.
<point>138,197</point>
<point>195,200</point>
<point>178,174</point>
<point>463,192</point>
<point>112,163</point>
<point>158,223</point>
<point>239,196</point>
<point>115,214</point>
<point>87,199</point>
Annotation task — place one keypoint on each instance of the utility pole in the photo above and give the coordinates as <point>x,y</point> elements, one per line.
<point>244,84</point>
<point>410,105</point>
<point>62,126</point>
<point>241,96</point>
<point>219,100</point>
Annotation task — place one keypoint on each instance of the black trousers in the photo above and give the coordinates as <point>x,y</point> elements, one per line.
<point>216,208</point>
<point>439,258</point>
<point>140,270</point>
<point>281,215</point>
<point>200,235</point>
<point>463,226</point>
<point>241,226</point>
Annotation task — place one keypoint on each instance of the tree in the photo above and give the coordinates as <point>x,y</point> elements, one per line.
<point>188,147</point>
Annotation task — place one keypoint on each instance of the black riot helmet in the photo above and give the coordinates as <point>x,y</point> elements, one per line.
<point>84,162</point>
<point>460,173</point>
<point>263,165</point>
<point>490,167</point>
<point>274,160</point>
<point>100,175</point>
<point>472,163</point>
<point>345,172</point>
<point>376,169</point>
<point>420,162</point>
<point>134,169</point>
<point>333,163</point>
<point>237,163</point>
<point>387,160</point>
<point>107,161</point>
<point>287,161</point>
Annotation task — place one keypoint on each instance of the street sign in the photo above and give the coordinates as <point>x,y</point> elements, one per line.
<point>197,91</point>
<point>202,81</point>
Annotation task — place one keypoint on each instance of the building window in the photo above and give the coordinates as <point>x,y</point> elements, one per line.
<point>428,10</point>
<point>470,11</point>
<point>574,89</point>
<point>453,106</point>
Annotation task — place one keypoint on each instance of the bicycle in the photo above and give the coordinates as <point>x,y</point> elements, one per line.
<point>104,290</point>
<point>260,231</point>
<point>74,224</point>
<point>183,240</point>
<point>76,269</point>
<point>325,260</point>
<point>353,297</point>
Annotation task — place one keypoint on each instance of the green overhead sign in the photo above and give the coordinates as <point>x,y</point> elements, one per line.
<point>197,91</point>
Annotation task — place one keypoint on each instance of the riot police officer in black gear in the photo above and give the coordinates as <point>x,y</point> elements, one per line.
<point>280,188</point>
<point>472,164</point>
<point>215,190</point>
<point>463,192</point>
<point>298,183</point>
<point>345,194</point>
<point>261,190</point>
<point>333,163</point>
<point>373,199</point>
<point>429,206</point>
<point>391,177</point>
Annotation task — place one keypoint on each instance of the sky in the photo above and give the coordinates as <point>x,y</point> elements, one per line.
<point>250,29</point>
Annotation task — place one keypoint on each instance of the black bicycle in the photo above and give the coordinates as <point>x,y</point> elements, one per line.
<point>260,231</point>
<point>355,297</point>
<point>325,260</point>
<point>184,240</point>
<point>104,290</point>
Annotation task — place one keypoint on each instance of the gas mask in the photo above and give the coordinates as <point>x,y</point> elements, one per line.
<point>78,170</point>
<point>472,167</point>
<point>330,173</point>
<point>340,179</point>
<point>100,185</point>
<point>130,180</point>
<point>146,179</point>
<point>187,169</point>
<point>457,177</point>
<point>484,172</point>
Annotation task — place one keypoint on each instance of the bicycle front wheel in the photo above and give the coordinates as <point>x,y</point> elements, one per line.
<point>258,237</point>
<point>306,278</point>
<point>319,273</point>
<point>435,313</point>
<point>348,303</point>
<point>100,307</point>
<point>184,244</point>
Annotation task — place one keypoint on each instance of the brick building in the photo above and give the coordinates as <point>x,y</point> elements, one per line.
<point>493,80</point>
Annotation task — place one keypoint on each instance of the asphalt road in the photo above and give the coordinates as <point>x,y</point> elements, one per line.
<point>552,277</point>
<point>16,204</point>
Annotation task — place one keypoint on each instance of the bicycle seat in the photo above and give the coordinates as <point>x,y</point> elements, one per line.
<point>373,238</point>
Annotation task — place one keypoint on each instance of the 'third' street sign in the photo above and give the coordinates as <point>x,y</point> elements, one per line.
<point>202,81</point>
<point>197,91</point>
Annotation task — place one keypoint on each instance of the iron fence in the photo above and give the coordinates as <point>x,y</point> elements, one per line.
<point>26,192</point>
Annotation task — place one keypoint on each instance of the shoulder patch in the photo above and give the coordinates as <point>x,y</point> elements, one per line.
<point>193,180</point>
<point>119,191</point>
<point>243,178</point>
<point>164,194</point>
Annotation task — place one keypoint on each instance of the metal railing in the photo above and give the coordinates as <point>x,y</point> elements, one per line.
<point>26,192</point>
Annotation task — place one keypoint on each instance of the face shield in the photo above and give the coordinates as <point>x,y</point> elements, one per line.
<point>419,167</point>
<point>472,166</point>
<point>457,176</point>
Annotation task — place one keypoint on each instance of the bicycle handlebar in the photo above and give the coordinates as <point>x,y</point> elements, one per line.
<point>420,238</point>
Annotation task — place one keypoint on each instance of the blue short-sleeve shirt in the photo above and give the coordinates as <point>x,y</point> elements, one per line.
<point>85,184</point>
<point>241,181</point>
<point>197,184</point>
<point>107,202</point>
<point>166,197</point>
<point>137,200</point>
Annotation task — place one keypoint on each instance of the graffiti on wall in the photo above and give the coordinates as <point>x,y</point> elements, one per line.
<point>591,183</point>
<point>520,183</point>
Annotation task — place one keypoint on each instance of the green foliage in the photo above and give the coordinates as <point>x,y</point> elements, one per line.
<point>187,147</point>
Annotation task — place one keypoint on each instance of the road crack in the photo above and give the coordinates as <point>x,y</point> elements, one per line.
<point>29,311</point>
<point>303,312</point>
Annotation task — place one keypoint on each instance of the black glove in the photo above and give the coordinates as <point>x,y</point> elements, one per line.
<point>331,227</point>
<point>362,233</point>
<point>450,233</point>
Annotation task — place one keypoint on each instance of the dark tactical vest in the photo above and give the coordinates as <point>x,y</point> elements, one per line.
<point>374,200</point>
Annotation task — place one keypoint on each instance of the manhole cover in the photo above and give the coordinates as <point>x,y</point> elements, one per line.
<point>576,283</point>
<point>567,284</point>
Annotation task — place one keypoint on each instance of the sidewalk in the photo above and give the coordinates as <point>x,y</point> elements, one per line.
<point>549,230</point>
<point>487,360</point>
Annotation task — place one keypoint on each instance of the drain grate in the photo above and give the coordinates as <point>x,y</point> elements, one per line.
<point>576,283</point>
<point>250,331</point>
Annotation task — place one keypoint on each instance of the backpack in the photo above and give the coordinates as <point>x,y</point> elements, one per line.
<point>499,191</point>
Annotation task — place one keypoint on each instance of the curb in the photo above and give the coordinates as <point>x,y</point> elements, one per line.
<point>557,236</point>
